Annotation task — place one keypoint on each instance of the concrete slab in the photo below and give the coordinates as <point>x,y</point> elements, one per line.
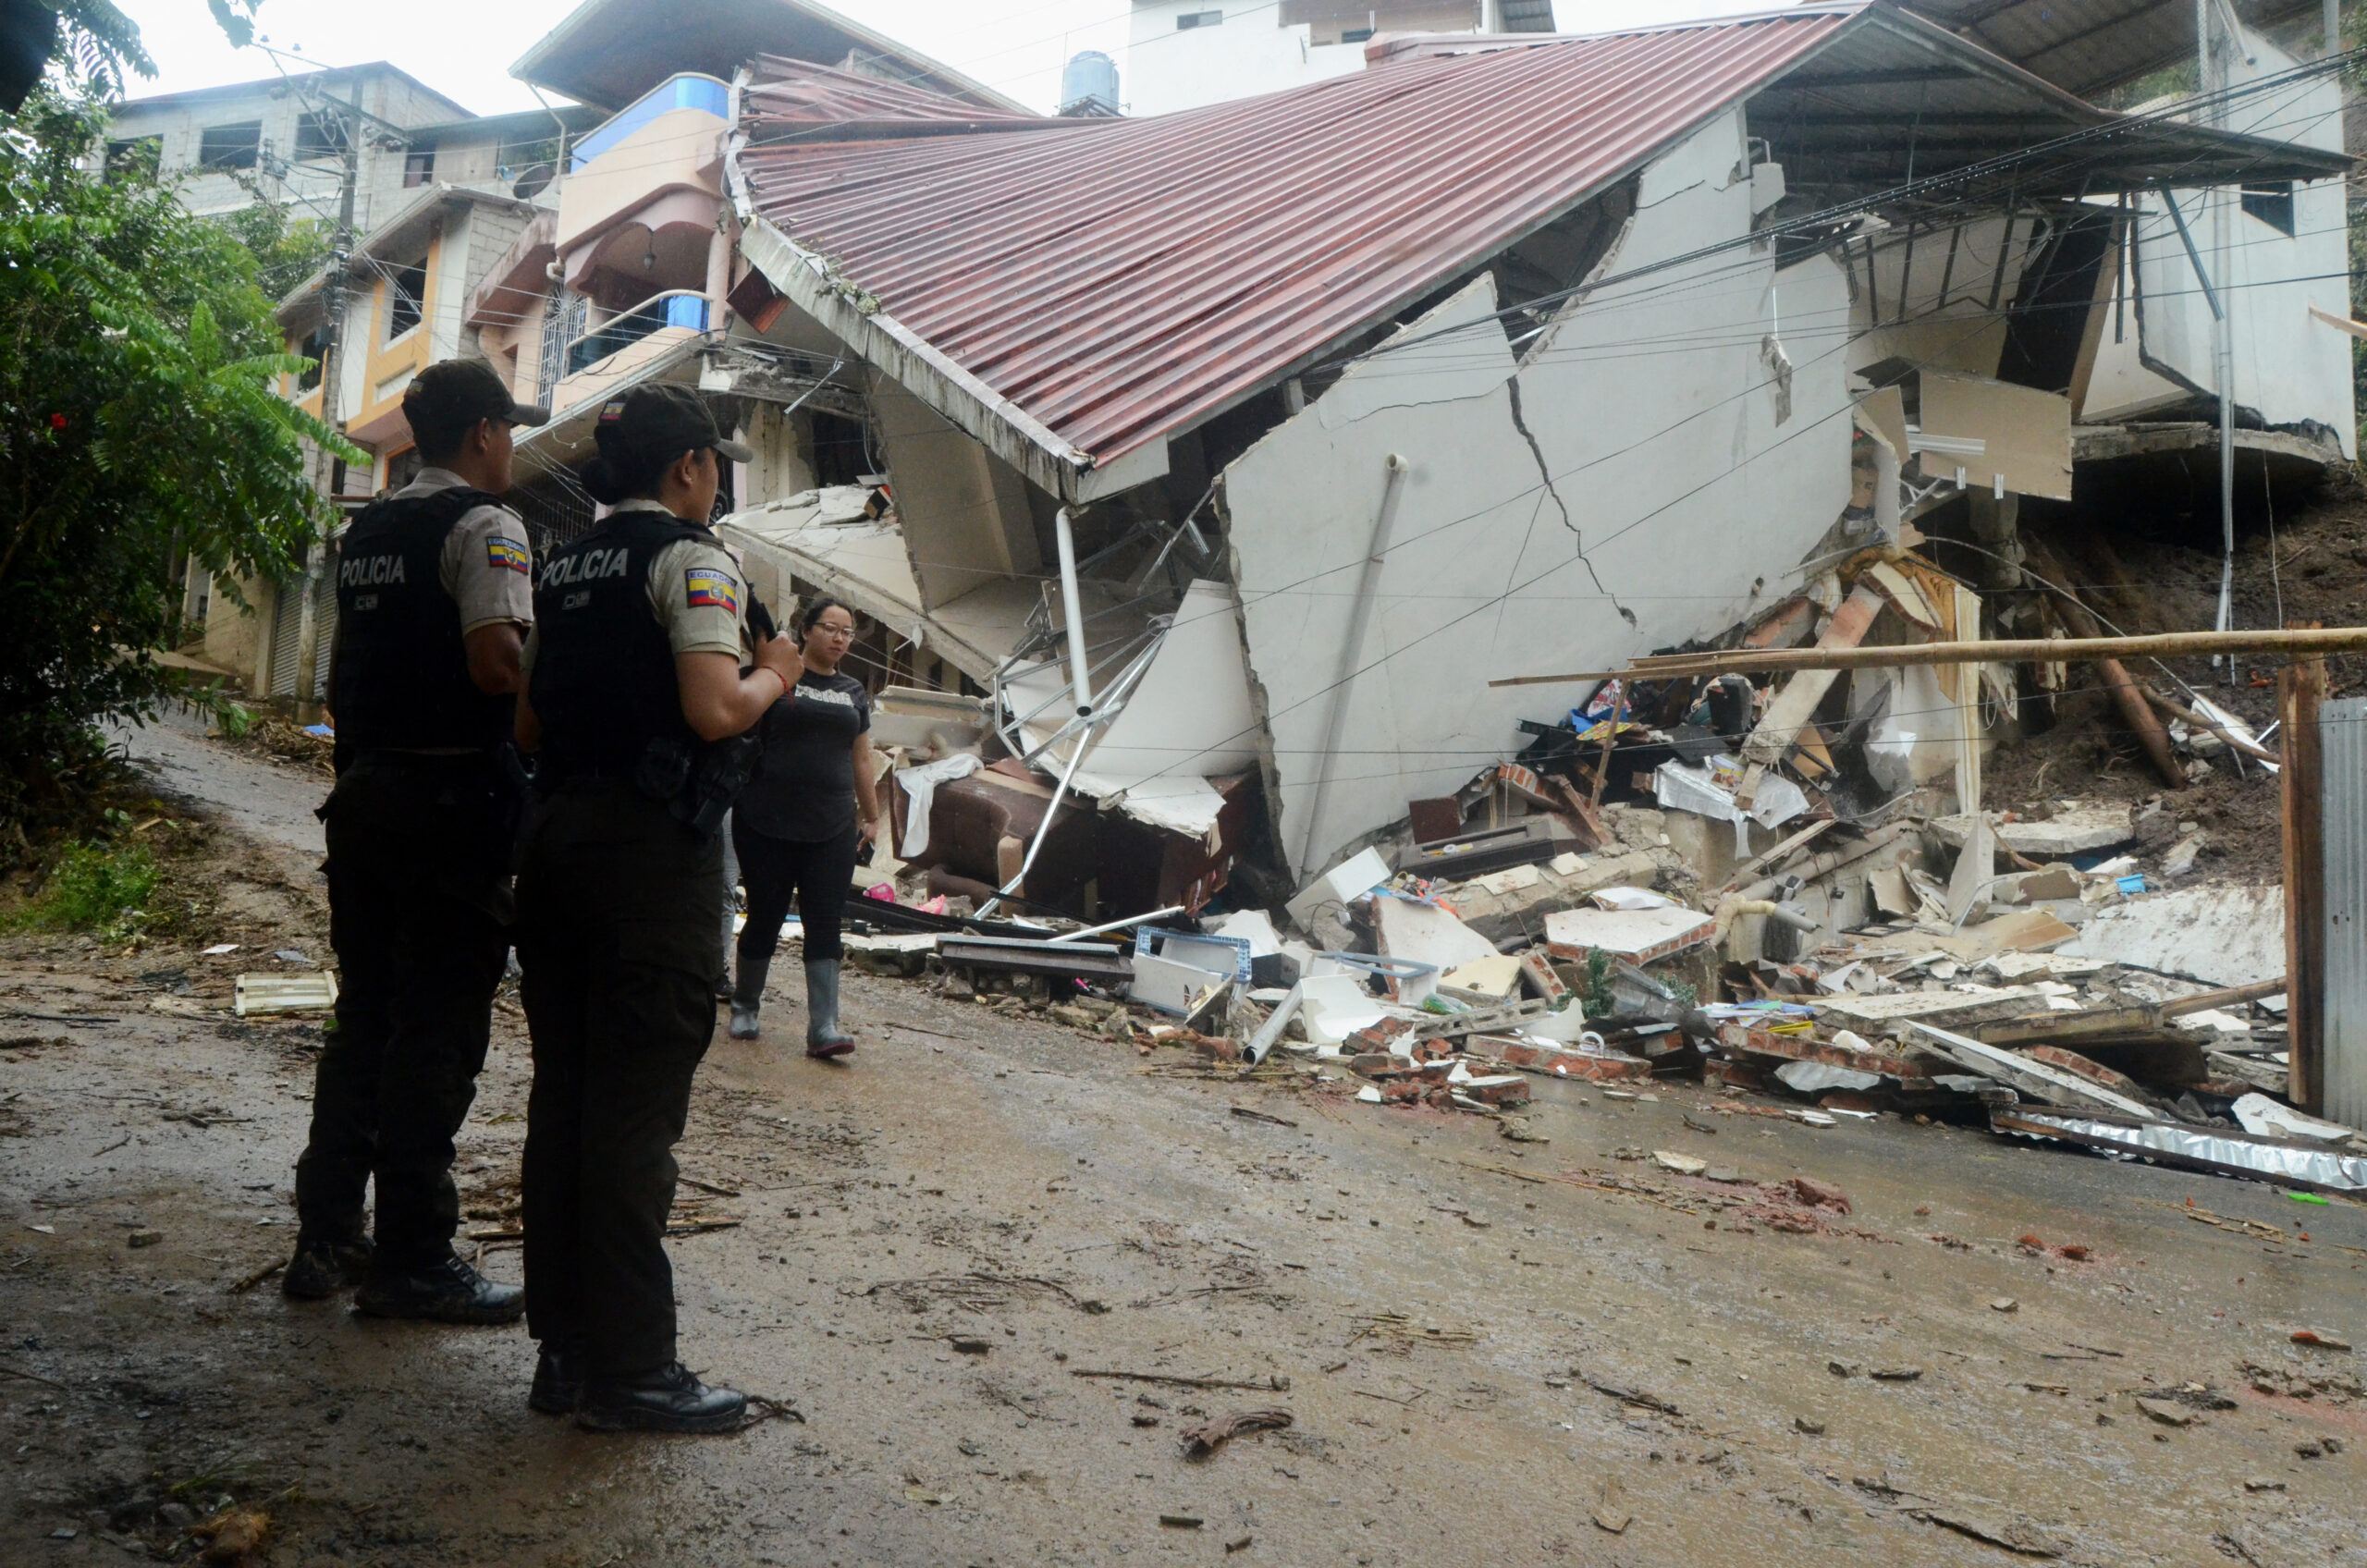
<point>2219,936</point>
<point>2078,830</point>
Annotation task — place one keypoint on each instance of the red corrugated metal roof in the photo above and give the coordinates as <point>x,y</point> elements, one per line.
<point>1124,279</point>
<point>796,100</point>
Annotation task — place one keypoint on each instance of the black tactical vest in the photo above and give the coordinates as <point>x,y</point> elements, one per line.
<point>400,679</point>
<point>603,685</point>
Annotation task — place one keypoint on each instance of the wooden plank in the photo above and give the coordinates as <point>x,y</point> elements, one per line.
<point>2300,689</point>
<point>2142,1018</point>
<point>1779,726</point>
<point>1805,836</point>
<point>2293,642</point>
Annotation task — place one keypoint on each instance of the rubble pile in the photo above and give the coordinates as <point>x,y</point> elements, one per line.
<point>1781,886</point>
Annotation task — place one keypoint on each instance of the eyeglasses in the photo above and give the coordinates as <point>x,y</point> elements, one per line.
<point>825,629</point>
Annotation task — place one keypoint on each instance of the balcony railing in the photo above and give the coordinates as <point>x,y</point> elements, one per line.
<point>678,307</point>
<point>686,91</point>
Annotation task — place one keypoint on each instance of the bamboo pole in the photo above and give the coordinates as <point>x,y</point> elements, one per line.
<point>2180,711</point>
<point>2301,687</point>
<point>2054,650</point>
<point>2113,676</point>
<point>2150,736</point>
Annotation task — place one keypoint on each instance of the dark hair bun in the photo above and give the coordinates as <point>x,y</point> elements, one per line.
<point>606,486</point>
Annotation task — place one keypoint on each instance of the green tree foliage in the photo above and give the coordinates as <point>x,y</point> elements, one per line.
<point>98,43</point>
<point>138,425</point>
<point>287,249</point>
<point>94,46</point>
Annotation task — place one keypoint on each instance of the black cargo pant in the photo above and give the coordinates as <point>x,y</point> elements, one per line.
<point>616,932</point>
<point>418,913</point>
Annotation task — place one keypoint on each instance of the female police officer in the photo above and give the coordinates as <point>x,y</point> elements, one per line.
<point>633,680</point>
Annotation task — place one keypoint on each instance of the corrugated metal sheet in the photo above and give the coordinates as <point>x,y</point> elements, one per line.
<point>1120,279</point>
<point>795,99</point>
<point>2086,46</point>
<point>2342,728</point>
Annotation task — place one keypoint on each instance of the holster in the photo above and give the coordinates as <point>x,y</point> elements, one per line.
<point>697,789</point>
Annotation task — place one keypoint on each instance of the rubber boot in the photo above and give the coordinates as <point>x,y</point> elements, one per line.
<point>747,998</point>
<point>824,1038</point>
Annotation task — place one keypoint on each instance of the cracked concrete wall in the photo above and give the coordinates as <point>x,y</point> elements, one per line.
<point>1645,494</point>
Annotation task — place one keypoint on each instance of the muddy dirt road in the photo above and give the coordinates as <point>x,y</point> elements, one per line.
<point>1491,1352</point>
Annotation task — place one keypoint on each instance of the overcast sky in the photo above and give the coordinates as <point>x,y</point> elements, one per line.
<point>463,48</point>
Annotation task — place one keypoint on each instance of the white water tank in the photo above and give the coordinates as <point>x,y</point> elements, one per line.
<point>1089,84</point>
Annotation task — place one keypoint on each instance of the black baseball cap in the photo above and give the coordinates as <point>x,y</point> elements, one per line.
<point>663,420</point>
<point>448,400</point>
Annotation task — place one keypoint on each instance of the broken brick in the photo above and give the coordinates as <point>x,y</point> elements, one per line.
<point>1562,1061</point>
<point>2093,1071</point>
<point>1537,969</point>
<point>1508,1088</point>
<point>1803,1047</point>
<point>1734,1074</point>
<point>1819,1195</point>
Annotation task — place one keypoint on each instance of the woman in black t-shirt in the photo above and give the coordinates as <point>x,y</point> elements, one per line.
<point>800,823</point>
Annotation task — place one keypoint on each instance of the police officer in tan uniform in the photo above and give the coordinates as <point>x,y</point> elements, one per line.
<point>635,695</point>
<point>434,598</point>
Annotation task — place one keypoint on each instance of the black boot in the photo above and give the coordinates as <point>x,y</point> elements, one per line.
<point>824,1038</point>
<point>449,1291</point>
<point>558,1380</point>
<point>319,1269</point>
<point>671,1400</point>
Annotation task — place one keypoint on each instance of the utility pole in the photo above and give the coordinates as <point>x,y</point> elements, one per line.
<point>2332,43</point>
<point>307,636</point>
<point>2212,79</point>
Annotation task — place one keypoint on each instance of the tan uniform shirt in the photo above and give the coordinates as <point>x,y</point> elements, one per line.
<point>488,567</point>
<point>696,591</point>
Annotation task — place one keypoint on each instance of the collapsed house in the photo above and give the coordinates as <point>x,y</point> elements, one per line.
<point>1229,455</point>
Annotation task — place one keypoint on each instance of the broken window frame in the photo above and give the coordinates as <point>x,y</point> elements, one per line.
<point>319,136</point>
<point>2272,204</point>
<point>406,306</point>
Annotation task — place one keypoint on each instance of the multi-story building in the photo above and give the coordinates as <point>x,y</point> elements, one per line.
<point>633,272</point>
<point>280,139</point>
<point>579,251</point>
<point>1183,53</point>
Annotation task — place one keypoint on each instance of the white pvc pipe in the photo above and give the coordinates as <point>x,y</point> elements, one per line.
<point>1115,926</point>
<point>1079,671</point>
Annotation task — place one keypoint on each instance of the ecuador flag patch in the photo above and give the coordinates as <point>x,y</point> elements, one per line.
<point>712,590</point>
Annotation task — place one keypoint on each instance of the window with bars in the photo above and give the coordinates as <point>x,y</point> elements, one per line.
<point>564,316</point>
